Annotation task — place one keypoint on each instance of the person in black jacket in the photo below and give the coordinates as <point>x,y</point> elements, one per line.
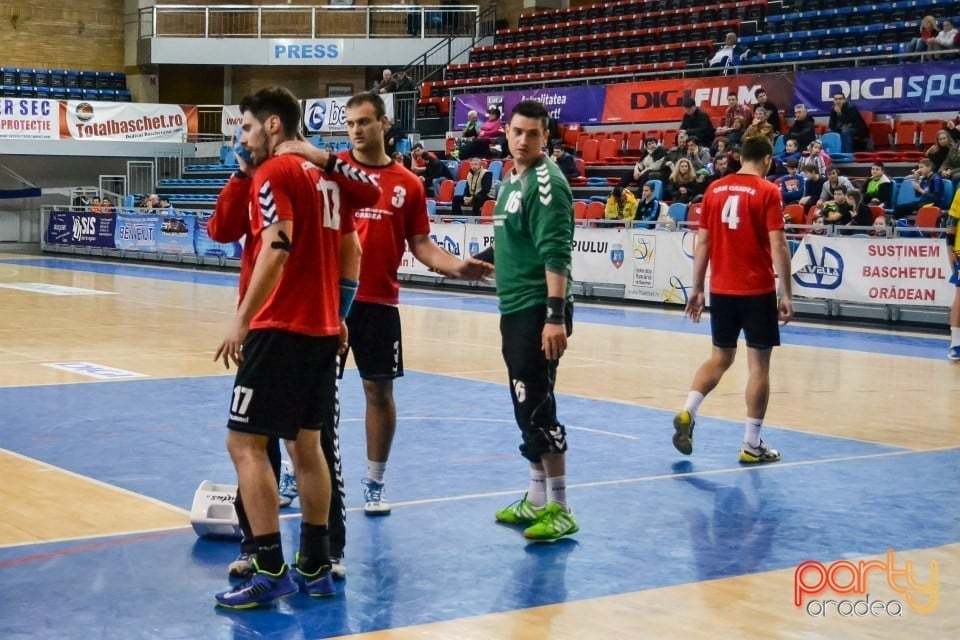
<point>846,120</point>
<point>803,129</point>
<point>697,123</point>
<point>566,162</point>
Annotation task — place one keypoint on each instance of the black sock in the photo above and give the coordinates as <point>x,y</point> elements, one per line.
<point>314,547</point>
<point>269,552</point>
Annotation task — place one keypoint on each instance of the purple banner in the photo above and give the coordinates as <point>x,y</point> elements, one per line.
<point>81,229</point>
<point>565,104</point>
<point>932,86</point>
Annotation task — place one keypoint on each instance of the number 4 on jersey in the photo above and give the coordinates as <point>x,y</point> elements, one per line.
<point>729,215</point>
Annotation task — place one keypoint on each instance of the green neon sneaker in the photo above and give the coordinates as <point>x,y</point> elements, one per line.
<point>553,524</point>
<point>520,512</point>
<point>759,454</point>
<point>683,424</point>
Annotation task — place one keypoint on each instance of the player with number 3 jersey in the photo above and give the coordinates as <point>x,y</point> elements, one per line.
<point>741,239</point>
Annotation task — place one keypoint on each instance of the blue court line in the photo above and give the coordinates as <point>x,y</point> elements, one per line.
<point>703,517</point>
<point>632,317</point>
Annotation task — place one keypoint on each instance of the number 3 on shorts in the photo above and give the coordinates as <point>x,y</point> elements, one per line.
<point>729,215</point>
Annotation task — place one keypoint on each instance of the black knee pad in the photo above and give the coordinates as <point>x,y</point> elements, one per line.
<point>540,440</point>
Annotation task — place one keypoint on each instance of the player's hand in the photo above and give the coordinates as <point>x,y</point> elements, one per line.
<point>785,310</point>
<point>473,269</point>
<point>303,149</point>
<point>952,258</point>
<point>344,338</point>
<point>231,349</point>
<point>694,307</point>
<point>553,341</point>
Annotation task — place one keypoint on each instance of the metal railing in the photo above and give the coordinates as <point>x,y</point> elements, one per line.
<point>285,21</point>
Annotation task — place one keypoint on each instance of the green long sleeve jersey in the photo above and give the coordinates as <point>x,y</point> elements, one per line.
<point>533,232</point>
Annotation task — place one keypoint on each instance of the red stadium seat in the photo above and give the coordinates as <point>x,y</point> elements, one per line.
<point>590,151</point>
<point>905,134</point>
<point>928,132</point>
<point>594,211</point>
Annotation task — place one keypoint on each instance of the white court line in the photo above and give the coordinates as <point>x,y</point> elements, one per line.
<point>513,492</point>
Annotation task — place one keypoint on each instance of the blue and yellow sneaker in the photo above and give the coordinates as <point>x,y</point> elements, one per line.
<point>520,512</point>
<point>261,589</point>
<point>683,424</point>
<point>318,584</point>
<point>554,523</point>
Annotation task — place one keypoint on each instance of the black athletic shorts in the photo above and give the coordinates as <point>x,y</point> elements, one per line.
<point>286,382</point>
<point>375,340</point>
<point>756,316</point>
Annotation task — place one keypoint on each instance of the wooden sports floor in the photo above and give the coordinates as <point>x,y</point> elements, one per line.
<point>112,412</point>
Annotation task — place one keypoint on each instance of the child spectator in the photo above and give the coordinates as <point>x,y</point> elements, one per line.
<point>792,185</point>
<point>860,215</point>
<point>790,152</point>
<point>812,186</point>
<point>878,189</point>
<point>648,207</point>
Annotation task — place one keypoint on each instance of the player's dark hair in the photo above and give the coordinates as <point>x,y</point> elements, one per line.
<point>531,109</point>
<point>379,107</point>
<point>275,101</point>
<point>755,149</point>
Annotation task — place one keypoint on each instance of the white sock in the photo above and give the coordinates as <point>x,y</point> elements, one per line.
<point>694,398</point>
<point>537,493</point>
<point>375,470</point>
<point>751,431</point>
<point>557,490</point>
<point>955,336</point>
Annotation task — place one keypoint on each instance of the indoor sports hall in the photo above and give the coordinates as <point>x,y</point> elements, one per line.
<point>113,412</point>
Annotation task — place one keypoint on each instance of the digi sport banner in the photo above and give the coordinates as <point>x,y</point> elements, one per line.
<point>661,100</point>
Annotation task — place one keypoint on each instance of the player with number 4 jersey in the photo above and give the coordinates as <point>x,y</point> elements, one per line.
<point>741,239</point>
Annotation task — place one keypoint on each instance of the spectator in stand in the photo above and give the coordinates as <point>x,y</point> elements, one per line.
<point>846,120</point>
<point>392,136</point>
<point>730,54</point>
<point>649,166</point>
<point>106,206</point>
<point>816,155</point>
<point>928,187</point>
<point>566,162</point>
<point>760,126</point>
<point>733,110</point>
<point>386,84</point>
<point>685,184</point>
<point>790,153</point>
<point>793,184</point>
<point>883,226</point>
<point>721,168</point>
<point>836,212</point>
<point>950,169</point>
<point>490,134</point>
<point>773,113</point>
<point>621,205</point>
<point>803,128</point>
<point>734,156</point>
<point>697,154</point>
<point>953,126</point>
<point>927,34</point>
<point>738,129</point>
<point>696,122</point>
<point>941,148</point>
<point>834,181</point>
<point>677,151</point>
<point>149,203</point>
<point>403,83</point>
<point>947,40</point>
<point>401,159</point>
<point>472,128</point>
<point>479,190</point>
<point>95,205</point>
<point>812,186</point>
<point>648,207</point>
<point>721,147</point>
<point>878,189</point>
<point>860,215</point>
<point>427,167</point>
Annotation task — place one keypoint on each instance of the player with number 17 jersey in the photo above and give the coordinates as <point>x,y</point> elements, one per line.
<point>739,211</point>
<point>384,227</point>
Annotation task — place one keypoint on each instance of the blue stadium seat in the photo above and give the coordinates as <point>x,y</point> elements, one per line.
<point>404,146</point>
<point>678,211</point>
<point>657,187</point>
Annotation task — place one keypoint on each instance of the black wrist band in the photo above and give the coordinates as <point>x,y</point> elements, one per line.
<point>331,163</point>
<point>556,310</point>
<point>240,174</point>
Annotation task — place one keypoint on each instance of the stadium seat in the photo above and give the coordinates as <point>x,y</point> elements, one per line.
<point>927,218</point>
<point>594,211</point>
<point>693,216</point>
<point>796,213</point>
<point>657,187</point>
<point>591,151</point>
<point>445,192</point>
<point>579,209</point>
<point>486,211</point>
<point>928,132</point>
<point>678,211</point>
<point>905,134</point>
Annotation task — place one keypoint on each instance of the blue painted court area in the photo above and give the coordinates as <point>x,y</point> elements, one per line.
<point>796,333</point>
<point>649,517</point>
